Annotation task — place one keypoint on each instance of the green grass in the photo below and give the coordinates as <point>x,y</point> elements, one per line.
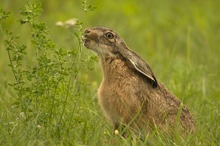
<point>57,104</point>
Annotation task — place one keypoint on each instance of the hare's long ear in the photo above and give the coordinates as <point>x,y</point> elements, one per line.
<point>139,64</point>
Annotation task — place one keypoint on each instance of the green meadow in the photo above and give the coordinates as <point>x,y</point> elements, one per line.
<point>49,80</point>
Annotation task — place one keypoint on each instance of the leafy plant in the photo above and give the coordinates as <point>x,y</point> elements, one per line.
<point>49,85</point>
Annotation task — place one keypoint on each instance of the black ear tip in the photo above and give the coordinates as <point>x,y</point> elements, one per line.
<point>154,83</point>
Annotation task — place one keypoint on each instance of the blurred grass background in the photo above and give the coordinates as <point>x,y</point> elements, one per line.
<point>179,39</point>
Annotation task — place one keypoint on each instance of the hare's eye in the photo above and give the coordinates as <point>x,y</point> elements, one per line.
<point>109,35</point>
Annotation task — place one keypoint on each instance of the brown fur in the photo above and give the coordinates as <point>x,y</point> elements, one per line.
<point>127,95</point>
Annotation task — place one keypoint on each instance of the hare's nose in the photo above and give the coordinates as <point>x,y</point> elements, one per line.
<point>90,33</point>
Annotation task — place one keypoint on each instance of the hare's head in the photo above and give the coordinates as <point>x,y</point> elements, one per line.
<point>107,43</point>
<point>103,41</point>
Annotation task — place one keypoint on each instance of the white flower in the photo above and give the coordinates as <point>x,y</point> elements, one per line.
<point>116,132</point>
<point>59,23</point>
<point>68,23</point>
<point>71,22</point>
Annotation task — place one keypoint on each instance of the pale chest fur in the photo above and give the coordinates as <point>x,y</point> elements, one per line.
<point>118,92</point>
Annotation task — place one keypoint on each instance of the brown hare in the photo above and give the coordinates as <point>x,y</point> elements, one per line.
<point>130,93</point>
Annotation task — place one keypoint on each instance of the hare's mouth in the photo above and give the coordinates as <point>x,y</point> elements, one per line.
<point>85,40</point>
<point>89,41</point>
